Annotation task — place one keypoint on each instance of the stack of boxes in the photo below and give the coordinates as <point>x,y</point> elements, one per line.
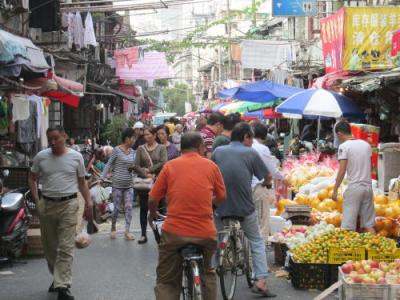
<point>370,134</point>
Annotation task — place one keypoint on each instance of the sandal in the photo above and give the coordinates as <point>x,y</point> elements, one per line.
<point>264,293</point>
<point>129,236</point>
<point>113,235</point>
<point>143,240</point>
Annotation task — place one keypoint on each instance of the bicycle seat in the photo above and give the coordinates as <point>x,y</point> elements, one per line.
<point>191,250</point>
<point>233,218</point>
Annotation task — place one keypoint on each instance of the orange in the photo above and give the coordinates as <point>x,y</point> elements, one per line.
<point>323,194</point>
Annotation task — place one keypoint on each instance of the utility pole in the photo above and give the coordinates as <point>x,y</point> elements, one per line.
<point>228,9</point>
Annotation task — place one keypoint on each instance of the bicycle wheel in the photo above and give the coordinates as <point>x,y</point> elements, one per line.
<point>227,271</point>
<point>191,282</point>
<point>248,263</point>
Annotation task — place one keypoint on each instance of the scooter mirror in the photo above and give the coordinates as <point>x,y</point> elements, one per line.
<point>6,173</point>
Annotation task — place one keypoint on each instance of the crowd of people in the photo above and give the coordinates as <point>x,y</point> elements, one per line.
<point>195,177</point>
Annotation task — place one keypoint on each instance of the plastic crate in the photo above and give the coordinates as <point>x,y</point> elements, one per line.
<point>360,291</point>
<point>309,276</point>
<point>280,251</point>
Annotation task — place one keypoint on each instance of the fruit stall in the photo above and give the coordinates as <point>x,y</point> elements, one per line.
<point>313,254</point>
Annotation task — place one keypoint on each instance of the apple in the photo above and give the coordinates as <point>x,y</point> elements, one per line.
<point>349,262</point>
<point>365,262</point>
<point>374,264</point>
<point>383,266</point>
<point>392,266</point>
<point>357,279</point>
<point>360,271</point>
<point>367,269</point>
<point>381,280</point>
<point>347,268</point>
<point>377,274</point>
<point>357,265</point>
<point>369,280</point>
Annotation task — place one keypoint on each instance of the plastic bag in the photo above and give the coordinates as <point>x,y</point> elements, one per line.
<point>99,194</point>
<point>83,239</point>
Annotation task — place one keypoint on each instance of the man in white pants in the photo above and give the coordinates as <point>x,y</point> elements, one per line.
<point>355,160</point>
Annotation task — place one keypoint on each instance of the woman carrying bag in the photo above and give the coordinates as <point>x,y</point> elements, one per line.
<point>121,158</point>
<point>150,158</point>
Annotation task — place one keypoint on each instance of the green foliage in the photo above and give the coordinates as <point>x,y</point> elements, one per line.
<point>175,47</point>
<point>112,130</point>
<point>176,96</point>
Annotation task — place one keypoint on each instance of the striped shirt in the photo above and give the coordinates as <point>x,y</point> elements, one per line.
<point>208,137</point>
<point>119,163</point>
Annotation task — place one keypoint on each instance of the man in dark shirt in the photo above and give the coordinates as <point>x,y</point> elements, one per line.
<point>225,137</point>
<point>238,163</point>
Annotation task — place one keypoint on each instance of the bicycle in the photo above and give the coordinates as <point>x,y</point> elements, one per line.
<point>234,255</point>
<point>192,256</point>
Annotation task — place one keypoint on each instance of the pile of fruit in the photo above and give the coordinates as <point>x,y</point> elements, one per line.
<point>372,272</point>
<point>300,172</point>
<point>317,250</point>
<point>288,233</point>
<point>311,233</point>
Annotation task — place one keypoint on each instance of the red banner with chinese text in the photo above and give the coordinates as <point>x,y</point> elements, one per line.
<point>332,38</point>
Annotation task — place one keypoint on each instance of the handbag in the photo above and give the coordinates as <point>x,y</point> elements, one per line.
<point>144,184</point>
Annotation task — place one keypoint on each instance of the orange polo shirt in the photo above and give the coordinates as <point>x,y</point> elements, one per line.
<point>189,183</point>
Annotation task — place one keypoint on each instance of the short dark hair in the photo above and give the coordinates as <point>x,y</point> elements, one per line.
<point>163,127</point>
<point>215,118</point>
<point>240,131</point>
<point>231,120</point>
<point>343,127</point>
<point>152,130</point>
<point>58,128</point>
<point>191,140</point>
<point>127,133</point>
<point>260,130</point>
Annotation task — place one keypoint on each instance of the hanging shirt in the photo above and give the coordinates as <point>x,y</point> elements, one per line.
<point>20,110</point>
<point>89,36</point>
<point>39,112</point>
<point>78,31</point>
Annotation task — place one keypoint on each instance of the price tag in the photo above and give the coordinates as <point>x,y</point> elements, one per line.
<point>386,257</point>
<point>339,256</point>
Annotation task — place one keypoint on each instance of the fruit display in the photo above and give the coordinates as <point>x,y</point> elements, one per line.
<point>371,272</point>
<point>317,250</point>
<point>288,233</point>
<point>312,232</point>
<point>300,172</point>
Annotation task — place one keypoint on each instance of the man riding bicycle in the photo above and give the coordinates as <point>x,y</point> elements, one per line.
<point>238,163</point>
<point>188,183</point>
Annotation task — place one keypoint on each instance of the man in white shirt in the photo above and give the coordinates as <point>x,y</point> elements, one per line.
<point>260,135</point>
<point>355,160</point>
<point>262,196</point>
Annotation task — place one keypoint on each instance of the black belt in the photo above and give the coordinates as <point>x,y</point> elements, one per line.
<point>60,199</point>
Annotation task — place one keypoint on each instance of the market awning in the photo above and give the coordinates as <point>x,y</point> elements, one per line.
<point>105,89</point>
<point>64,97</point>
<point>20,54</point>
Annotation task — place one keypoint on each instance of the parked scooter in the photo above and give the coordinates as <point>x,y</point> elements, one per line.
<point>14,222</point>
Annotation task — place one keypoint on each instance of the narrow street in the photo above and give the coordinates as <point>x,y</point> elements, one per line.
<point>112,270</point>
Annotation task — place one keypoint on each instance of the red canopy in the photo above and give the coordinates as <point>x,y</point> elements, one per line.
<point>67,98</point>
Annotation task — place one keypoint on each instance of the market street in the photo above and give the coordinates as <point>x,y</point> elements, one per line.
<point>113,270</point>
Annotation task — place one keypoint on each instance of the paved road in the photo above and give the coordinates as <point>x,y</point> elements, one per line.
<point>112,270</point>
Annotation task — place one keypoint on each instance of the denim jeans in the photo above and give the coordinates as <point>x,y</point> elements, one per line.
<point>251,230</point>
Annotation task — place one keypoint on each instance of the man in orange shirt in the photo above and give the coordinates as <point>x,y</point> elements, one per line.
<point>189,184</point>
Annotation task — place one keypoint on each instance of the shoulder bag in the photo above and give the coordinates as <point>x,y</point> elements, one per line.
<point>144,184</point>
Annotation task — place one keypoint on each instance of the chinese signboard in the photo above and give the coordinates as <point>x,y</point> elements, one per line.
<point>367,40</point>
<point>332,41</point>
<point>294,8</point>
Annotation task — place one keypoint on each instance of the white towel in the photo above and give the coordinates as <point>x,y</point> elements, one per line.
<point>20,109</point>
